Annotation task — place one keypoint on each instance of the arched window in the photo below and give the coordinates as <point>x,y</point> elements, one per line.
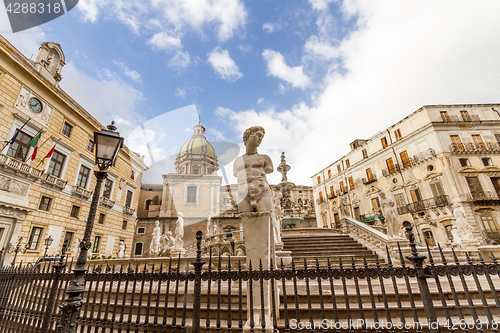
<point>147,204</point>
<point>429,237</point>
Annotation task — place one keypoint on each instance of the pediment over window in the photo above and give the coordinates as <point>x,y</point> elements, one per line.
<point>467,169</point>
<point>433,175</point>
<point>372,190</point>
<point>491,168</point>
<point>412,182</point>
<point>396,188</point>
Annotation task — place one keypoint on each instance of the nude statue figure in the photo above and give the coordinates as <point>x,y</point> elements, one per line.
<point>254,192</point>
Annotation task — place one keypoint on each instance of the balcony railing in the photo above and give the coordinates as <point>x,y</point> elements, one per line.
<point>472,117</point>
<point>423,205</point>
<point>367,181</point>
<point>108,203</point>
<point>403,210</point>
<point>128,210</point>
<point>483,196</point>
<point>18,166</point>
<point>412,161</point>
<point>82,192</point>
<point>475,148</point>
<point>47,178</point>
<point>331,195</point>
<point>389,171</point>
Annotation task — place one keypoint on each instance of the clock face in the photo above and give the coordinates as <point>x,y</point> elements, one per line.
<point>35,105</point>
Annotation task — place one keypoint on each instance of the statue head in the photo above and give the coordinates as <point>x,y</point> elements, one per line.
<point>157,223</point>
<point>179,214</point>
<point>251,131</point>
<point>456,205</point>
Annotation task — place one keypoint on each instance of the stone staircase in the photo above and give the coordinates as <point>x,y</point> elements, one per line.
<point>324,244</point>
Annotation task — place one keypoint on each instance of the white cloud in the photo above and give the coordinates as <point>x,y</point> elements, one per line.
<point>225,16</point>
<point>402,55</point>
<point>180,60</point>
<point>320,4</point>
<point>179,92</point>
<point>106,99</point>
<point>27,41</point>
<point>276,66</point>
<point>132,74</point>
<point>223,65</point>
<point>270,27</point>
<point>320,49</point>
<point>163,41</point>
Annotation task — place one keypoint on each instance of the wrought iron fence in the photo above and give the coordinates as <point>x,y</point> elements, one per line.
<point>306,296</point>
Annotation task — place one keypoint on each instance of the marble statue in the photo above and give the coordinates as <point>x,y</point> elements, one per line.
<point>464,229</point>
<point>391,217</point>
<point>154,248</point>
<point>77,246</point>
<point>344,208</point>
<point>121,249</point>
<point>378,223</point>
<point>254,192</point>
<point>239,252</point>
<point>209,226</point>
<point>276,218</point>
<point>167,242</point>
<point>179,231</point>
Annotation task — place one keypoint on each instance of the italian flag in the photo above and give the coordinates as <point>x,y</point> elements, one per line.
<point>34,143</point>
<point>49,155</point>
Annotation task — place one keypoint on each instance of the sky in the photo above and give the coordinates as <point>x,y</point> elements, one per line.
<point>315,74</point>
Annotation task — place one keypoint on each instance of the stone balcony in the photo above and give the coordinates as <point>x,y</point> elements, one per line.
<point>475,148</point>
<point>367,181</point>
<point>82,192</point>
<point>107,203</point>
<point>58,182</point>
<point>484,198</point>
<point>411,162</point>
<point>128,210</point>
<point>13,165</point>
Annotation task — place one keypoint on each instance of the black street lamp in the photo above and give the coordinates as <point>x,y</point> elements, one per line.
<point>107,144</point>
<point>16,249</point>
<point>48,242</point>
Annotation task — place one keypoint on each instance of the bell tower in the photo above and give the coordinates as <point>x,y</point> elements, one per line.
<point>50,61</point>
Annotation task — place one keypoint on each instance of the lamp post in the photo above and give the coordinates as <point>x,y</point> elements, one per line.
<point>17,249</point>
<point>107,144</point>
<point>47,243</point>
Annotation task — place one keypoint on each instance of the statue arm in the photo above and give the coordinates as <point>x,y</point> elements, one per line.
<point>268,164</point>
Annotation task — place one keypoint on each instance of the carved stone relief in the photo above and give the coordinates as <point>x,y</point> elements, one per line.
<point>11,212</point>
<point>10,185</point>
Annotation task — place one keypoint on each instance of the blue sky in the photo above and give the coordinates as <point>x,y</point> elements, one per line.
<point>316,74</point>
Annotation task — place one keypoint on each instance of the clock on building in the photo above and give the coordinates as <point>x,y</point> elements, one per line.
<point>35,105</point>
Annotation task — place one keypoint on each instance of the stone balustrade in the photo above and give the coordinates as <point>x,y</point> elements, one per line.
<point>82,192</point>
<point>58,182</point>
<point>128,210</point>
<point>108,203</point>
<point>366,235</point>
<point>18,166</point>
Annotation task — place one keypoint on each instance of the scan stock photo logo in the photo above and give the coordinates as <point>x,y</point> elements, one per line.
<point>25,14</point>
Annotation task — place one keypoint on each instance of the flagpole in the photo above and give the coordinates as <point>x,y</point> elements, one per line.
<point>15,135</point>
<point>58,140</point>
<point>42,131</point>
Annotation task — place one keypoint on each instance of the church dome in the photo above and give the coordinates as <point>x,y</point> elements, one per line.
<point>197,145</point>
<point>197,155</point>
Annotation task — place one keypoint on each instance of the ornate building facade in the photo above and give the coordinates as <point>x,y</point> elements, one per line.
<point>49,193</point>
<point>437,156</point>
